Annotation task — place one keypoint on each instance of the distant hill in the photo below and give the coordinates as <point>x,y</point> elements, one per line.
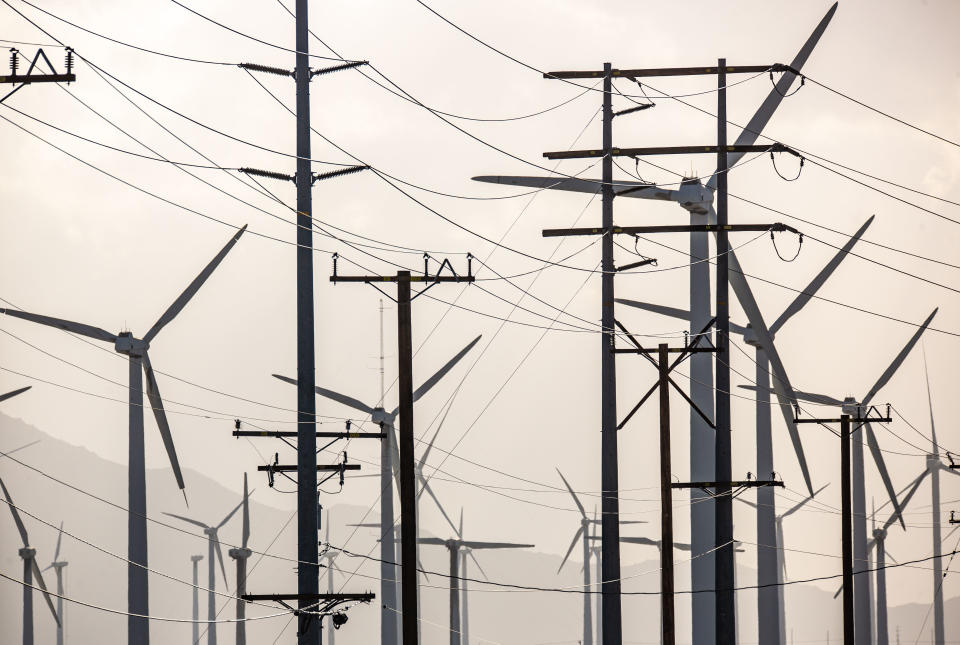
<point>498,615</point>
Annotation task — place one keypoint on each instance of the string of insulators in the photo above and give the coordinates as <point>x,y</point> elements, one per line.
<point>338,173</point>
<point>266,69</point>
<point>14,60</point>
<point>269,174</point>
<point>634,109</point>
<point>69,60</point>
<point>338,68</point>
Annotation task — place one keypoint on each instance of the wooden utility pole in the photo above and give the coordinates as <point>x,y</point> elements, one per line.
<point>408,484</point>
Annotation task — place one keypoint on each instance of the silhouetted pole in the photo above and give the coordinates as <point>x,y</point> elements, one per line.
<point>847,530</point>
<point>408,485</point>
<point>454,593</point>
<point>308,584</point>
<point>666,504</point>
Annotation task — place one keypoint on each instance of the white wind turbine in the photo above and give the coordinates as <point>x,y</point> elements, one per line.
<point>138,606</point>
<point>213,545</point>
<point>57,565</point>
<point>30,569</point>
<point>390,470</point>
<point>863,627</point>
<point>770,594</point>
<point>697,200</point>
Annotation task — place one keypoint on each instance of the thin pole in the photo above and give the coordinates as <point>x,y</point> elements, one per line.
<point>725,598</point>
<point>610,521</point>
<point>666,505</point>
<point>883,633</point>
<point>388,546</point>
<point>454,593</point>
<point>587,587</point>
<point>59,570</point>
<point>846,513</point>
<point>408,492</point>
<point>27,555</point>
<point>195,559</point>
<point>308,584</point>
<point>211,597</point>
<point>138,628</point>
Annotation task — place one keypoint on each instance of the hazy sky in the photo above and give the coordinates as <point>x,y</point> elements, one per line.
<point>80,245</point>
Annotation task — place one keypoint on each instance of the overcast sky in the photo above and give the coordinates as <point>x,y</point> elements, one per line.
<point>81,245</point>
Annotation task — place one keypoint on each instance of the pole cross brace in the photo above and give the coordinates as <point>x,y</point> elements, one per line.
<point>953,520</point>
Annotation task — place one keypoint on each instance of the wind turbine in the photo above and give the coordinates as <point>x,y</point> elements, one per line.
<point>138,606</point>
<point>780,571</point>
<point>195,559</point>
<point>30,569</point>
<point>697,200</point>
<point>390,469</point>
<point>13,393</point>
<point>454,545</point>
<point>213,544</point>
<point>241,555</point>
<point>583,534</point>
<point>769,595</point>
<point>850,405</point>
<point>58,566</point>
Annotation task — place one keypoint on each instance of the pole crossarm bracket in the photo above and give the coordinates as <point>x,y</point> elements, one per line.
<point>277,434</point>
<point>749,483</point>
<point>777,227</point>
<point>873,415</point>
<point>286,468</point>
<point>667,150</point>
<point>324,601</point>
<point>27,79</point>
<point>671,71</point>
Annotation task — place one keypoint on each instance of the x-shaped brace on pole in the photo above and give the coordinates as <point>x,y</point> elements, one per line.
<point>687,350</point>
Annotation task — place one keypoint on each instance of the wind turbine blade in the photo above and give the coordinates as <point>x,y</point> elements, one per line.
<point>187,519</point>
<point>66,325</point>
<point>426,487</point>
<point>10,395</point>
<point>683,546</point>
<point>634,522</point>
<point>898,360</point>
<point>884,475</point>
<point>952,471</point>
<point>639,540</point>
<point>56,552</point>
<point>423,569</point>
<point>906,500</point>
<point>433,380</point>
<point>762,116</point>
<point>819,399</point>
<point>43,588</point>
<point>497,545</point>
<point>432,541</point>
<point>229,515</point>
<point>672,312</point>
<point>573,543</point>
<point>156,404</point>
<point>395,457</point>
<point>192,288</point>
<point>460,529</point>
<point>796,507</point>
<point>783,553</point>
<point>246,513</point>
<point>806,294</point>
<point>16,516</point>
<point>933,426</point>
<point>781,382</point>
<point>426,453</point>
<point>326,535</point>
<point>887,553</point>
<point>576,499</point>
<point>477,562</point>
<point>643,190</point>
<point>348,401</point>
<point>216,545</point>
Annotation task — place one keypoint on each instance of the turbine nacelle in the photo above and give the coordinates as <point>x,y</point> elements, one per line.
<point>27,553</point>
<point>126,343</point>
<point>850,406</point>
<point>694,196</point>
<point>381,416</point>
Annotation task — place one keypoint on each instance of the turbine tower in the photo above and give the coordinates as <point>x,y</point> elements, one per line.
<point>328,555</point>
<point>213,544</point>
<point>57,565</point>
<point>241,555</point>
<point>697,199</point>
<point>30,569</point>
<point>454,545</point>
<point>390,470</point>
<point>770,594</point>
<point>138,606</point>
<point>195,559</point>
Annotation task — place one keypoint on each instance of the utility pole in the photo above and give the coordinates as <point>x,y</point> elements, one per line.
<point>869,415</point>
<point>667,627</point>
<point>408,484</point>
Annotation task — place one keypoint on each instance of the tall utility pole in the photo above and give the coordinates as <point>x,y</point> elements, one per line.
<point>667,627</point>
<point>408,482</point>
<point>308,583</point>
<point>724,558</point>
<point>609,474</point>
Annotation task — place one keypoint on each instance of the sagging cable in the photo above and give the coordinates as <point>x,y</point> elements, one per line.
<point>799,246</point>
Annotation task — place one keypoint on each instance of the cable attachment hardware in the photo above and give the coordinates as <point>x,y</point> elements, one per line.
<point>338,68</point>
<point>426,264</point>
<point>276,462</point>
<point>469,265</point>
<point>338,173</point>
<point>642,106</point>
<point>799,246</point>
<point>781,68</point>
<point>14,60</point>
<point>335,257</point>
<point>777,170</point>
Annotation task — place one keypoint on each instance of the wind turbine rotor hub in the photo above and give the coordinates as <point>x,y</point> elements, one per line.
<point>27,553</point>
<point>851,406</point>
<point>127,344</point>
<point>380,415</point>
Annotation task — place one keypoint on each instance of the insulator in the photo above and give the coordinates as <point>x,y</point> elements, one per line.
<point>69,60</point>
<point>338,173</point>
<point>267,173</point>
<point>338,68</point>
<point>14,61</point>
<point>266,69</point>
